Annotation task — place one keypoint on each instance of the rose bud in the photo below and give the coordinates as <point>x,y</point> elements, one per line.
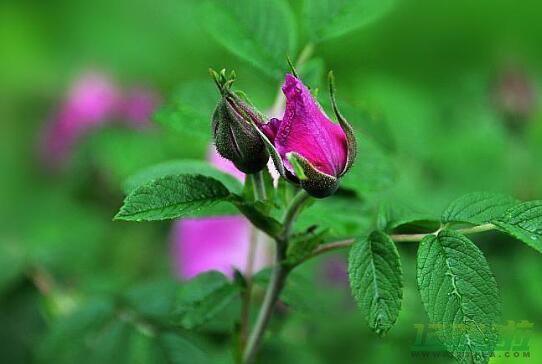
<point>314,152</point>
<point>234,132</point>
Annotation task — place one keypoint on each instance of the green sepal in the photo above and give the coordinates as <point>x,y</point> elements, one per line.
<point>316,183</point>
<point>351,142</point>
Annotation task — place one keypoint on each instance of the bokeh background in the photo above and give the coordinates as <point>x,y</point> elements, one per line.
<point>449,91</point>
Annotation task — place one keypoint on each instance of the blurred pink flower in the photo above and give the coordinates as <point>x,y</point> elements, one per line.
<point>93,100</point>
<point>138,105</point>
<point>219,243</point>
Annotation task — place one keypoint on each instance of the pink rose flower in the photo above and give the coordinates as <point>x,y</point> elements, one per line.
<point>322,149</point>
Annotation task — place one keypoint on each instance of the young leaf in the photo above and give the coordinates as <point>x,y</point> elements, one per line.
<point>524,222</point>
<point>261,32</point>
<point>478,208</point>
<point>460,295</point>
<point>328,19</point>
<point>375,276</point>
<point>171,197</point>
<point>203,298</point>
<point>177,167</point>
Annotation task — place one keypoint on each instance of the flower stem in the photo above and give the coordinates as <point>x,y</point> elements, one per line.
<point>292,210</point>
<point>403,238</point>
<point>259,186</point>
<point>280,272</point>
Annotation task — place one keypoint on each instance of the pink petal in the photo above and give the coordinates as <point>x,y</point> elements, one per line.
<point>93,99</point>
<point>214,243</point>
<point>138,106</point>
<point>306,129</point>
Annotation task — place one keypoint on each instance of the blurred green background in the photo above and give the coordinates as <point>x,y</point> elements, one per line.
<point>449,91</point>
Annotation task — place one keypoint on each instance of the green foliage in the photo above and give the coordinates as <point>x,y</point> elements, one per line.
<point>302,245</point>
<point>261,32</point>
<point>171,197</point>
<point>350,217</point>
<point>376,278</point>
<point>327,19</point>
<point>203,298</point>
<point>394,216</point>
<point>460,295</point>
<point>188,112</point>
<point>524,221</point>
<point>478,208</point>
<point>94,332</point>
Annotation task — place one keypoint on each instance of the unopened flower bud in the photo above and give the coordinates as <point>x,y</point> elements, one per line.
<point>235,135</point>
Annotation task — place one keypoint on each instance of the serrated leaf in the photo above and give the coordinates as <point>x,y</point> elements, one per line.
<point>375,277</point>
<point>478,208</point>
<point>524,222</point>
<point>189,111</point>
<point>261,32</point>
<point>177,167</point>
<point>328,19</point>
<point>171,197</point>
<point>460,295</point>
<point>202,298</point>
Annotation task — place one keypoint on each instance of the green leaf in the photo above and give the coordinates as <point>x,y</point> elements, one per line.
<point>478,208</point>
<point>179,350</point>
<point>524,222</point>
<point>261,32</point>
<point>327,19</point>
<point>257,214</point>
<point>189,110</point>
<point>171,197</point>
<point>302,245</point>
<point>177,167</point>
<point>376,278</point>
<point>204,297</point>
<point>96,331</point>
<point>460,295</point>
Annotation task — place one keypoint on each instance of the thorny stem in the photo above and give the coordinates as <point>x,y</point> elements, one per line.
<point>280,273</point>
<point>397,238</point>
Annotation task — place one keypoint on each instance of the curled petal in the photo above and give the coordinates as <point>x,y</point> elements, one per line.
<point>307,131</point>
